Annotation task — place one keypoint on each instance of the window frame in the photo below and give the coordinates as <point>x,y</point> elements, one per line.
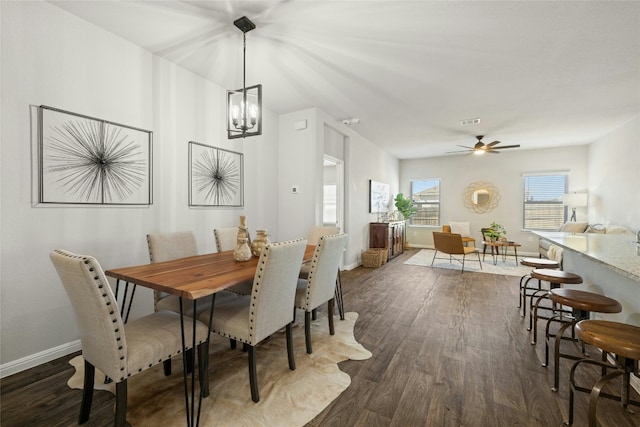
<point>526,189</point>
<point>418,204</point>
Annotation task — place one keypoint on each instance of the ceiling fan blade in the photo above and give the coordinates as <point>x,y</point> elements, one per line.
<point>458,152</point>
<point>491,144</point>
<point>493,151</point>
<point>464,146</point>
<point>506,146</point>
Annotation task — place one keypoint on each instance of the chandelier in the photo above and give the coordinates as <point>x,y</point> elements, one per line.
<point>244,106</point>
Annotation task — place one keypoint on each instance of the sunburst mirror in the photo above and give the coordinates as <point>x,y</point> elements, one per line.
<point>481,197</point>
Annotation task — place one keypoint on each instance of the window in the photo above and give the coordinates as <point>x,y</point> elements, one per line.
<point>425,195</point>
<point>543,208</point>
<point>329,205</point>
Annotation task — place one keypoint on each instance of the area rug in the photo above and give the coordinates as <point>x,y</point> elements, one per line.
<point>287,398</point>
<point>508,267</point>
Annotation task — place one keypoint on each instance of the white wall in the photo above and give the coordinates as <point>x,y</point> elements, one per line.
<point>53,58</point>
<point>302,151</point>
<point>504,171</point>
<point>614,177</point>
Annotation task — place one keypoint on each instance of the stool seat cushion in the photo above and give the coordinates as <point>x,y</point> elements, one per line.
<point>539,263</point>
<point>556,276</point>
<point>614,337</point>
<point>586,301</point>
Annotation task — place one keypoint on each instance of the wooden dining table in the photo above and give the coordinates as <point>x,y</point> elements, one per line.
<point>192,278</point>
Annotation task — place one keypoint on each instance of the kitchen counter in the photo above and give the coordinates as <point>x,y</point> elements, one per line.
<point>609,265</point>
<point>618,252</point>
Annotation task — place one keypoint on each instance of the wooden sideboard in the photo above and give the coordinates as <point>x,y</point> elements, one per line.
<point>388,235</point>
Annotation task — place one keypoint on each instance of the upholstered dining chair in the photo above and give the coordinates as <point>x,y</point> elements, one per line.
<point>317,231</point>
<point>227,237</point>
<point>226,240</point>
<point>167,247</point>
<point>252,318</point>
<point>120,350</point>
<point>451,244</point>
<point>320,285</point>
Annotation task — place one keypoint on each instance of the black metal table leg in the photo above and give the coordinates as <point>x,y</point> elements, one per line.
<point>124,304</point>
<point>338,296</point>
<point>193,419</point>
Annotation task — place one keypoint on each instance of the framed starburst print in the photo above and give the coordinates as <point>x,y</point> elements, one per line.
<point>88,161</point>
<point>215,176</point>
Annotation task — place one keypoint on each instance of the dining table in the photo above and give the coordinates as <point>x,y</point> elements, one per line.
<point>191,279</point>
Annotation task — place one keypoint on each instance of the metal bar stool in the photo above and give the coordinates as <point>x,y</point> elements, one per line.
<point>611,337</point>
<point>556,279</point>
<point>582,304</point>
<point>524,280</point>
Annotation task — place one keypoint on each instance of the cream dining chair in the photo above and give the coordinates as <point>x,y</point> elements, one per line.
<point>315,234</point>
<point>252,318</point>
<point>320,285</point>
<point>120,350</point>
<point>226,240</point>
<point>167,247</point>
<point>227,237</point>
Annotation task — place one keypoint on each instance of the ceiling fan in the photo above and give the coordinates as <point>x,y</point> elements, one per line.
<point>481,148</point>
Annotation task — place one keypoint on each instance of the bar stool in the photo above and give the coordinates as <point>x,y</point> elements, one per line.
<point>534,263</point>
<point>556,279</point>
<point>611,337</point>
<point>582,304</point>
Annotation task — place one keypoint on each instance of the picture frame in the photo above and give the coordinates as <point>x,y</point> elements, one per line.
<point>84,160</point>
<point>378,197</point>
<point>216,176</point>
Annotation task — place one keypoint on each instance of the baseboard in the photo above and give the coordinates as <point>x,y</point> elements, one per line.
<point>34,360</point>
<point>351,266</point>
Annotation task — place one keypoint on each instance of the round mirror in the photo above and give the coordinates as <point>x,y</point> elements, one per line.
<point>481,196</point>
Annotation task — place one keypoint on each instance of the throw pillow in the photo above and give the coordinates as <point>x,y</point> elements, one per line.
<point>461,228</point>
<point>574,227</point>
<point>596,229</point>
<point>618,229</point>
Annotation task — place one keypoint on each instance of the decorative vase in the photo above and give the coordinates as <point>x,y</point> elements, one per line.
<point>242,229</point>
<point>242,251</point>
<point>258,244</point>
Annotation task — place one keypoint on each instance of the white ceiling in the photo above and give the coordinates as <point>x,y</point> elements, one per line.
<point>537,73</point>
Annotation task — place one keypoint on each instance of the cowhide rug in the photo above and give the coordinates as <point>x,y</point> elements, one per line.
<point>287,398</point>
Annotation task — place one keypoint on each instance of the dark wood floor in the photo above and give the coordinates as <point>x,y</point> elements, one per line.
<point>448,350</point>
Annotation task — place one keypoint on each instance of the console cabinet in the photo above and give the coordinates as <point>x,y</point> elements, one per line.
<point>388,235</point>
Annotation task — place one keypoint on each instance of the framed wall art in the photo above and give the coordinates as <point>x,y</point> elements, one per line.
<point>88,161</point>
<point>378,196</point>
<point>215,176</point>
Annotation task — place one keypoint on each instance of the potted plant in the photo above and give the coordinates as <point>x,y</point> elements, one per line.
<point>406,208</point>
<point>496,232</point>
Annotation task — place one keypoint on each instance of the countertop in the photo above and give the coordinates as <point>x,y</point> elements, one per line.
<point>618,252</point>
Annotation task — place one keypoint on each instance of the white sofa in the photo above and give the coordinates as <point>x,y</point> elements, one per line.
<point>581,227</point>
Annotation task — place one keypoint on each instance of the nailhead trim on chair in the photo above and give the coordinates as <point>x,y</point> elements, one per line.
<point>89,262</point>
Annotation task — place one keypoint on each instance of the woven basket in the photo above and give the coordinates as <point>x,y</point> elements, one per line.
<point>384,254</point>
<point>371,259</point>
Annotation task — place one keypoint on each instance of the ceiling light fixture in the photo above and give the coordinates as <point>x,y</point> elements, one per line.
<point>244,106</point>
<point>350,121</point>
